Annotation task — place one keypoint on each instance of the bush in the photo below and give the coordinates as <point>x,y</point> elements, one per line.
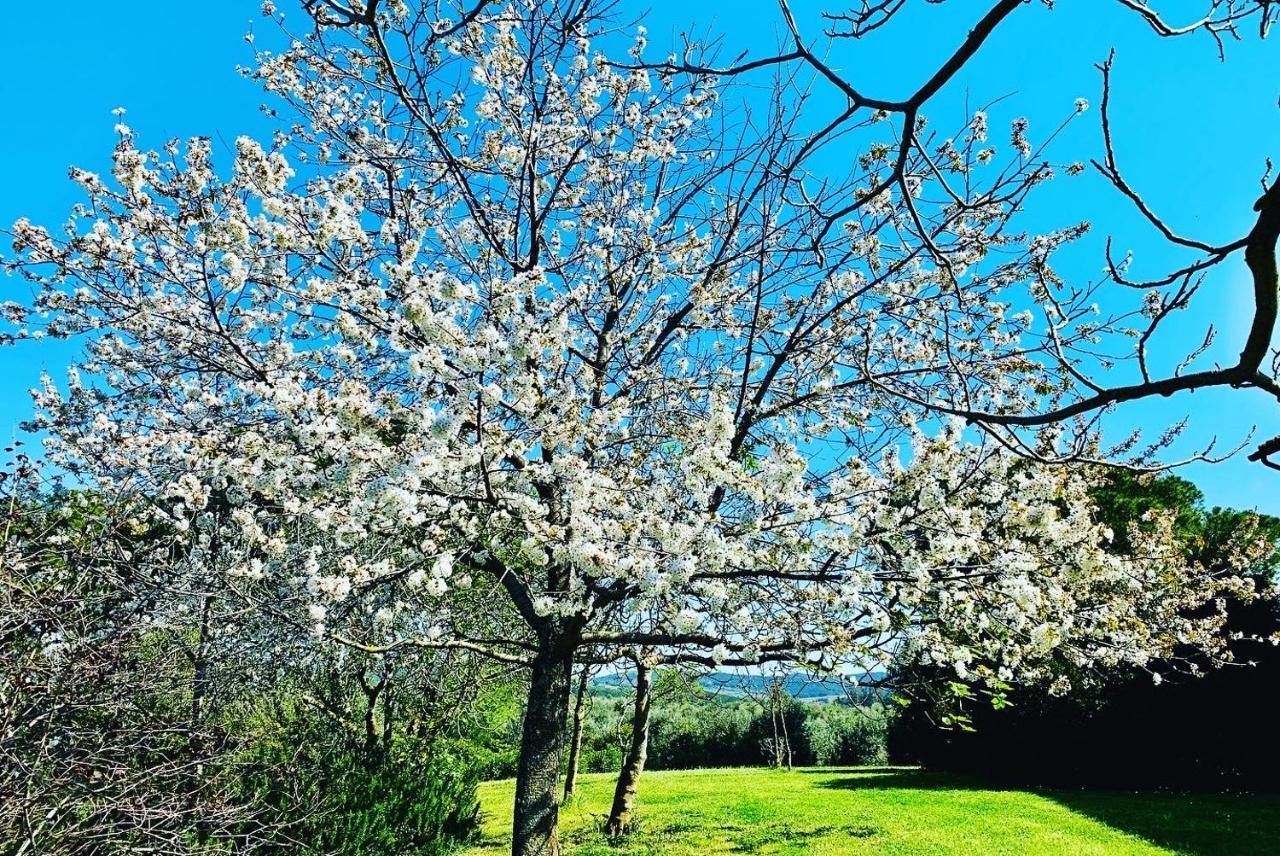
<point>839,735</point>
<point>414,797</point>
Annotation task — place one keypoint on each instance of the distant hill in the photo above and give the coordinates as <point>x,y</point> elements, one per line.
<point>731,685</point>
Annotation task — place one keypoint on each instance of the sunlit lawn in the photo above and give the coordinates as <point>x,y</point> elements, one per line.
<point>886,810</point>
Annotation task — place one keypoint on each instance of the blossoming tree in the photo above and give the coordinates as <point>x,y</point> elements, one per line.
<point>506,347</point>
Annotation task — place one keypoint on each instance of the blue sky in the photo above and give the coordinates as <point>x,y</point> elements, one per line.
<point>1192,135</point>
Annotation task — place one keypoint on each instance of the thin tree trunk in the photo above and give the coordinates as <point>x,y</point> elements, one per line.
<point>199,681</point>
<point>782,717</point>
<point>575,744</point>
<point>199,689</point>
<point>773,720</point>
<point>372,738</point>
<point>624,795</point>
<point>537,807</point>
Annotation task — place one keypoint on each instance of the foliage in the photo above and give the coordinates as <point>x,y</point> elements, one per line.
<point>417,798</point>
<point>489,737</point>
<point>142,711</point>
<point>838,735</point>
<point>106,739</point>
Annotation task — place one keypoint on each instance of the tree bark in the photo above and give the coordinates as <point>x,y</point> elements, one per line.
<point>196,730</point>
<point>782,717</point>
<point>624,795</point>
<point>199,683</point>
<point>776,760</point>
<point>575,743</point>
<point>537,807</point>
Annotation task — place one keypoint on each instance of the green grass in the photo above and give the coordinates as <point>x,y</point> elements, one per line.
<point>892,811</point>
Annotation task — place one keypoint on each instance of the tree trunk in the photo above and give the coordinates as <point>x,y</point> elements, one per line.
<point>575,743</point>
<point>199,683</point>
<point>372,737</point>
<point>786,736</point>
<point>537,807</point>
<point>196,729</point>
<point>776,760</point>
<point>624,795</point>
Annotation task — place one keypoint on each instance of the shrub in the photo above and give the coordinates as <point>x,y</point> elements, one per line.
<point>838,734</point>
<point>416,797</point>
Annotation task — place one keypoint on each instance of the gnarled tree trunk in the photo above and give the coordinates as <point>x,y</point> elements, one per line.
<point>537,805</point>
<point>575,743</point>
<point>624,795</point>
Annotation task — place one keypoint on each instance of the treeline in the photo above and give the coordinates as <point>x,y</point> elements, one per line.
<point>690,728</point>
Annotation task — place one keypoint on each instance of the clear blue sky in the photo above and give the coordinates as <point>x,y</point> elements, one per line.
<point>1192,134</point>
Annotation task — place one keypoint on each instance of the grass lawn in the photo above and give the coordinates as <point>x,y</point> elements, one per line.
<point>892,811</point>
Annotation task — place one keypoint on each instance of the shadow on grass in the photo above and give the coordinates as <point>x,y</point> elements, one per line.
<point>1194,824</point>
<point>827,771</point>
<point>1188,823</point>
<point>882,778</point>
<point>739,836</point>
